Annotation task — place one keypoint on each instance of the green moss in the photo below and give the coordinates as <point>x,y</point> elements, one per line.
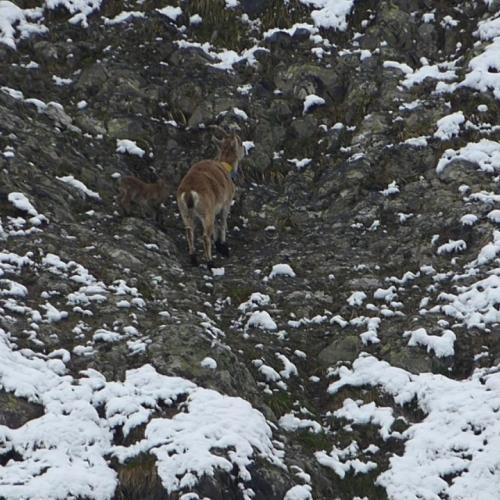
<point>280,403</point>
<point>367,394</point>
<point>313,441</point>
<point>415,129</point>
<point>362,485</point>
<point>239,294</point>
<point>144,461</point>
<point>9,402</point>
<point>112,8</point>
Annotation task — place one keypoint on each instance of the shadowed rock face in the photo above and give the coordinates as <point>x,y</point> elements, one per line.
<point>16,412</point>
<point>334,219</point>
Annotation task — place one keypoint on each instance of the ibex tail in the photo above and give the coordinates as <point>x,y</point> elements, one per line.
<point>189,199</point>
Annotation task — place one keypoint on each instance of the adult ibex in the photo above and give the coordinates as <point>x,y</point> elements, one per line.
<point>145,195</point>
<point>208,190</point>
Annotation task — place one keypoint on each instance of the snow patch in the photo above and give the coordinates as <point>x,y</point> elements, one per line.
<point>291,423</point>
<point>449,126</point>
<point>256,300</point>
<point>452,246</point>
<point>15,24</point>
<point>80,9</point>
<point>330,13</point>
<point>356,299</point>
<point>79,185</point>
<point>124,17</point>
<point>261,320</point>
<point>171,12</point>
<point>391,189</point>
<point>71,439</point>
<point>441,345</point>
<point>282,270</point>
<point>209,363</point>
<point>368,413</point>
<point>485,154</point>
<point>312,101</point>
<point>299,492</point>
<point>130,147</point>
<point>458,436</point>
<point>342,461</point>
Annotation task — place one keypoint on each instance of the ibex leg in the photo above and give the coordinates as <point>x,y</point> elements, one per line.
<point>220,244</point>
<point>208,231</point>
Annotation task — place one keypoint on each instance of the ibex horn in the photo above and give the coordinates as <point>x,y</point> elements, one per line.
<point>220,129</point>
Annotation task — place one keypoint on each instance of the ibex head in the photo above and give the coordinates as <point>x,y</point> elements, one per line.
<point>230,149</point>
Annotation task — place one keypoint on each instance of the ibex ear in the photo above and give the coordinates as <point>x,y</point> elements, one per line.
<point>218,142</point>
<point>238,144</point>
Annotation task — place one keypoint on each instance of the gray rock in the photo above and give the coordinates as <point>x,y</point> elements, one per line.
<point>89,124</point>
<point>60,116</point>
<point>15,412</point>
<point>345,348</point>
<point>304,128</point>
<point>91,79</point>
<point>460,171</point>
<point>125,128</point>
<point>411,359</point>
<point>364,283</point>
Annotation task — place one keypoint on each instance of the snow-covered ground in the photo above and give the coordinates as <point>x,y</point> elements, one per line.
<point>459,434</point>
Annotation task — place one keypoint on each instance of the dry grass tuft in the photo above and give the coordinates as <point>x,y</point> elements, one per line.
<point>138,479</point>
<point>279,14</point>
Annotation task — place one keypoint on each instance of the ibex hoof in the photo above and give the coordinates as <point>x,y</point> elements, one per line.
<point>210,264</point>
<point>194,259</point>
<point>222,248</point>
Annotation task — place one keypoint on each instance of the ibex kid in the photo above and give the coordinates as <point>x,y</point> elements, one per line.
<point>148,196</point>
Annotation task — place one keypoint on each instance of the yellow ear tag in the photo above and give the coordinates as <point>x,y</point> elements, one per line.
<point>227,166</point>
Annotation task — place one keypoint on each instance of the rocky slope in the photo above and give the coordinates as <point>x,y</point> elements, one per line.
<point>348,347</point>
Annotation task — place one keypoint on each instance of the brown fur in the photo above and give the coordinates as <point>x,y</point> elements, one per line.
<point>148,196</point>
<point>207,190</point>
